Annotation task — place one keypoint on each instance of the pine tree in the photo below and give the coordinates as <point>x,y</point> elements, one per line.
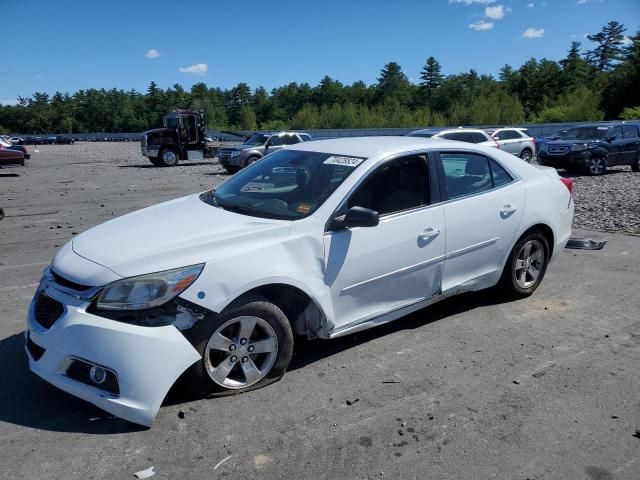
<point>575,70</point>
<point>393,84</point>
<point>610,49</point>
<point>431,78</point>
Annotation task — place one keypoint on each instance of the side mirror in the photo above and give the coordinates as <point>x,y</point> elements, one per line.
<point>356,217</point>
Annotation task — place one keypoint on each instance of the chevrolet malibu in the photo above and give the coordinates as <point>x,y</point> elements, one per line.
<point>321,239</point>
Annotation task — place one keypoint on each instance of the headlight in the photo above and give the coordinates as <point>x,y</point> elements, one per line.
<point>235,153</point>
<point>578,147</point>
<point>147,291</point>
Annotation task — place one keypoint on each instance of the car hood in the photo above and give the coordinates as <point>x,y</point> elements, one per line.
<point>241,146</point>
<point>173,234</point>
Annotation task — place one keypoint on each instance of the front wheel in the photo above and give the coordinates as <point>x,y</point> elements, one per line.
<point>526,155</point>
<point>597,165</point>
<point>526,266</point>
<point>168,158</point>
<point>248,346</point>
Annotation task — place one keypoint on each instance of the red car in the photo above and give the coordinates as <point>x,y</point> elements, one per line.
<point>11,157</point>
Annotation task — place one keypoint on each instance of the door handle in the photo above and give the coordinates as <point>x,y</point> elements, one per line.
<point>508,209</point>
<point>429,233</point>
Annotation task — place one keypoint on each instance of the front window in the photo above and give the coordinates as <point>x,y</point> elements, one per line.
<point>585,133</point>
<point>287,185</point>
<point>256,139</point>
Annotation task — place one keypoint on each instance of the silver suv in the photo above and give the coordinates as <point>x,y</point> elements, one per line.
<point>516,141</point>
<point>257,146</point>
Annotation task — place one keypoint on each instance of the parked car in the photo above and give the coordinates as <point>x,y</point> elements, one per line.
<point>5,143</point>
<point>10,156</point>
<point>516,141</point>
<point>469,135</point>
<point>425,132</point>
<point>255,147</point>
<point>593,148</point>
<point>320,239</point>
<point>16,140</point>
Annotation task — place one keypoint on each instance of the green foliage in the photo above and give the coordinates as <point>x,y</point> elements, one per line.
<point>581,105</point>
<point>630,113</point>
<point>602,83</point>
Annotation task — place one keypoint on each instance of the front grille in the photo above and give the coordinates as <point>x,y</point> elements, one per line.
<point>558,149</point>
<point>224,154</point>
<point>60,280</point>
<point>36,351</point>
<point>47,310</point>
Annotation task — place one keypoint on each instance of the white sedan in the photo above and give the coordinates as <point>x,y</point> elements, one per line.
<point>320,239</point>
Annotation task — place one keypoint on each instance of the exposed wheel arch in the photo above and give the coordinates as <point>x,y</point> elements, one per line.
<point>546,231</point>
<point>304,314</point>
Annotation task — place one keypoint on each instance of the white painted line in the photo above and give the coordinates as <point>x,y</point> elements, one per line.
<point>222,461</point>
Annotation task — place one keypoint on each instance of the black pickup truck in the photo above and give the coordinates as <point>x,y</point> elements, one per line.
<point>593,148</point>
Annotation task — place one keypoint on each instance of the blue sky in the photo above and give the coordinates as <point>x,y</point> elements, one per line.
<point>66,45</point>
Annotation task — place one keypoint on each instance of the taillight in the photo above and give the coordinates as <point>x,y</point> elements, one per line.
<point>567,183</point>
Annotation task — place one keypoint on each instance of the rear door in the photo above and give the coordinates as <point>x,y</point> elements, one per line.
<point>631,143</point>
<point>484,208</point>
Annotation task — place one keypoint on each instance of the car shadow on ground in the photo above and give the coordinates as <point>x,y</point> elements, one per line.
<point>31,402</point>
<point>150,165</point>
<point>307,352</point>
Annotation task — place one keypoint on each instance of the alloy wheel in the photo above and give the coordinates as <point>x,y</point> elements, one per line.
<point>529,264</point>
<point>526,156</point>
<point>169,158</point>
<point>597,165</point>
<point>241,352</point>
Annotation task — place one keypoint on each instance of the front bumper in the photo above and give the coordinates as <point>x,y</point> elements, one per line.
<point>146,360</point>
<point>570,159</point>
<point>151,151</point>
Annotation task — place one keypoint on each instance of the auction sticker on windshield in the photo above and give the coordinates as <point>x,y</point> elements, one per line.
<point>344,161</point>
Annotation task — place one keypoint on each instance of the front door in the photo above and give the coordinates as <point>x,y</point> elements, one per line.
<point>483,214</point>
<point>631,143</point>
<point>375,270</point>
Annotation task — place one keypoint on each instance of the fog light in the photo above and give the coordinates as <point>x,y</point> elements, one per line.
<point>97,374</point>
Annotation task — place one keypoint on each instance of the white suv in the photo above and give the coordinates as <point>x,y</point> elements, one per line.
<point>516,141</point>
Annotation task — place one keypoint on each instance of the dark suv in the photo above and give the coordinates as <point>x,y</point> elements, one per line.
<point>593,148</point>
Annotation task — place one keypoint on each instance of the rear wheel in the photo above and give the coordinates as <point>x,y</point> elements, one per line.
<point>248,346</point>
<point>526,266</point>
<point>526,155</point>
<point>597,165</point>
<point>168,157</point>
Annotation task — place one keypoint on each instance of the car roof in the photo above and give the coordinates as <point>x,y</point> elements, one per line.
<point>369,147</point>
<point>472,130</point>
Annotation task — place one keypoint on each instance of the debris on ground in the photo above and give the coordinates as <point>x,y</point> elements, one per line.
<point>585,244</point>
<point>349,402</point>
<point>181,414</point>
<point>145,473</point>
<point>222,461</point>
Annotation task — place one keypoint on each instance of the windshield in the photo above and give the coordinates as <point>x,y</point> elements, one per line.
<point>585,133</point>
<point>256,139</point>
<point>287,184</point>
<point>171,122</point>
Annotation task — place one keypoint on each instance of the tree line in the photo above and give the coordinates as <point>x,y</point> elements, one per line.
<point>586,85</point>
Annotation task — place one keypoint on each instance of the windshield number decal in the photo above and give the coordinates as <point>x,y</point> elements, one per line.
<point>344,161</point>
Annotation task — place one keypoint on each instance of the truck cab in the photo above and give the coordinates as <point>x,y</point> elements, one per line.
<point>182,137</point>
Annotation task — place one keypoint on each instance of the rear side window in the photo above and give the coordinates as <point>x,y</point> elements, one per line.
<point>616,132</point>
<point>508,135</point>
<point>630,131</point>
<point>479,138</point>
<point>276,141</point>
<point>470,173</point>
<point>499,174</point>
<point>291,140</point>
<point>305,137</point>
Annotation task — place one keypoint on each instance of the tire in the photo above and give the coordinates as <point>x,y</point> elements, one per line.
<point>156,161</point>
<point>512,283</point>
<point>271,330</point>
<point>251,160</point>
<point>597,165</point>
<point>526,155</point>
<point>635,166</point>
<point>168,157</point>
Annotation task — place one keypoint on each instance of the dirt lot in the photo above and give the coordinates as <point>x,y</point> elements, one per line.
<point>543,388</point>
